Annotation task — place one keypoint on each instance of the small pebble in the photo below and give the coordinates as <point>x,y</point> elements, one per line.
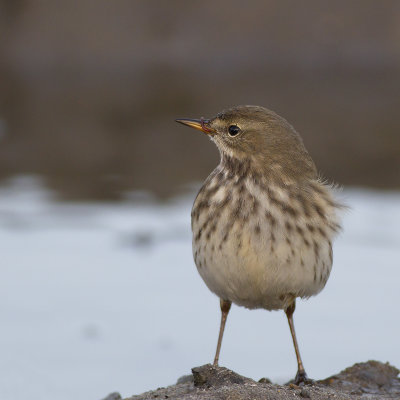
<point>305,393</point>
<point>113,396</point>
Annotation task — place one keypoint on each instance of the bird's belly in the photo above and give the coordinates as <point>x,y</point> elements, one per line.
<point>257,267</point>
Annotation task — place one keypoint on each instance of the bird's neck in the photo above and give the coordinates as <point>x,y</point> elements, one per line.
<point>266,168</point>
<point>235,166</point>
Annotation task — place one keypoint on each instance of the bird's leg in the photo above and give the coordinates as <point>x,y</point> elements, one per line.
<point>225,307</point>
<point>301,376</point>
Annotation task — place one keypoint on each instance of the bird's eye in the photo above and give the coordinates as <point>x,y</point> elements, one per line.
<point>233,130</point>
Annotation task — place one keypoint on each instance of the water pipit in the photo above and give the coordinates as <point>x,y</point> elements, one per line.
<point>263,221</point>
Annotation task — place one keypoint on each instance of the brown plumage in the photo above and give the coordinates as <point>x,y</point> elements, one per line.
<point>263,222</point>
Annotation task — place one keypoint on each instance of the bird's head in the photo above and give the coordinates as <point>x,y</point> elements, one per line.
<point>258,135</point>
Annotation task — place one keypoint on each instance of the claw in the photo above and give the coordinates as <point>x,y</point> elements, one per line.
<point>302,379</point>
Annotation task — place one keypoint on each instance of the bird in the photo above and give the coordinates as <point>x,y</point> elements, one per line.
<point>264,220</point>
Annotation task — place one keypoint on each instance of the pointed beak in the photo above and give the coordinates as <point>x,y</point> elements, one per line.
<point>200,124</point>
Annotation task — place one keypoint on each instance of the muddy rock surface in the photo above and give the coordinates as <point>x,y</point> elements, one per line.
<point>368,380</point>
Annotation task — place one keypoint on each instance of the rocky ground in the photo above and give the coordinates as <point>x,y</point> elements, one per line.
<point>369,380</point>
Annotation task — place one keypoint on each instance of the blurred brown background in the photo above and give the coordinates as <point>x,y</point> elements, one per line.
<point>89,89</point>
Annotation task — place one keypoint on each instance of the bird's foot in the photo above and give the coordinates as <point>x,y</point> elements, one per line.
<point>302,379</point>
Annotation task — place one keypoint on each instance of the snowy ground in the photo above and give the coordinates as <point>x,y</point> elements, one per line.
<point>101,298</point>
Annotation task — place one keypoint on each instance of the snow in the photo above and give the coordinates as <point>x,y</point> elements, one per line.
<point>96,298</point>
